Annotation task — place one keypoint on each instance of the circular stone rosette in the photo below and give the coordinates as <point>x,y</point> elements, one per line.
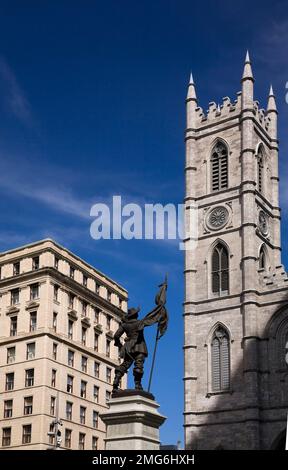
<point>263,223</point>
<point>217,218</point>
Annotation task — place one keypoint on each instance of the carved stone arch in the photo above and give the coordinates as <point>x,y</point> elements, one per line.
<point>217,325</point>
<point>263,249</point>
<point>280,315</point>
<point>214,142</point>
<point>277,332</point>
<point>260,148</point>
<point>214,244</point>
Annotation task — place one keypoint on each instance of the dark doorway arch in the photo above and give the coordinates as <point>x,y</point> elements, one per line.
<point>280,441</point>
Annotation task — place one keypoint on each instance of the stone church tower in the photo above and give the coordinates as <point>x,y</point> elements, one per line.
<point>236,289</point>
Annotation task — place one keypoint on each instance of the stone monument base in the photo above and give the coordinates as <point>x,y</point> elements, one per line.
<point>132,421</point>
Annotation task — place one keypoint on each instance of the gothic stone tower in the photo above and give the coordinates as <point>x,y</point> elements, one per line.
<point>236,290</point>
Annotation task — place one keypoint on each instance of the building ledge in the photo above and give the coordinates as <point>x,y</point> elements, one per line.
<point>32,304</point>
<point>13,309</point>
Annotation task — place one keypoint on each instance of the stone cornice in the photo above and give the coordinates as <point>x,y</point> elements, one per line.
<point>64,281</point>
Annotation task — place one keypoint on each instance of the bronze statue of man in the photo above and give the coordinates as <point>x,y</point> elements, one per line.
<point>134,349</point>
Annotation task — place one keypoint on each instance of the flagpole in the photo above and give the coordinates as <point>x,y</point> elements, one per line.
<point>153,359</point>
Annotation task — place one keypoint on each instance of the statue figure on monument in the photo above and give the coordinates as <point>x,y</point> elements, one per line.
<point>134,349</point>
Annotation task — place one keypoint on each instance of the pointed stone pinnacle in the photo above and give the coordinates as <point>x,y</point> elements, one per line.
<point>191,89</point>
<point>271,92</point>
<point>271,101</point>
<point>247,72</point>
<point>191,81</point>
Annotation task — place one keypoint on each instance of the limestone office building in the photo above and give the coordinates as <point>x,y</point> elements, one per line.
<point>57,319</point>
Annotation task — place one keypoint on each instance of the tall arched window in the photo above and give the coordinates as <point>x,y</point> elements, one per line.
<point>219,167</point>
<point>260,163</point>
<point>220,270</point>
<point>262,258</point>
<point>220,360</point>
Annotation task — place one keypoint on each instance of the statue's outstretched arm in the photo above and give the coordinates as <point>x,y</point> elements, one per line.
<point>117,336</point>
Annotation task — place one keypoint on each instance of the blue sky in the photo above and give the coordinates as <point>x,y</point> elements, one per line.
<point>92,105</point>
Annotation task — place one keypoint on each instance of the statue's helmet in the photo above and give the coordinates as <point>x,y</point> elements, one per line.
<point>132,313</point>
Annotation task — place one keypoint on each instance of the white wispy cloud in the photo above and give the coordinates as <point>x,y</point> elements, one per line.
<point>13,94</point>
<point>271,45</point>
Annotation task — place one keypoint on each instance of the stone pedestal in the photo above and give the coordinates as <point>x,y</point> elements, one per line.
<point>132,421</point>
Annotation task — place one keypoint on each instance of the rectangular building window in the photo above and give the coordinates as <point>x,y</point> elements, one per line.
<point>108,322</point>
<point>33,321</point>
<point>8,408</point>
<point>85,280</point>
<point>52,406</point>
<point>54,351</point>
<point>96,393</point>
<point>71,356</point>
<point>53,378</point>
<point>71,299</point>
<point>109,295</point>
<point>94,443</point>
<point>9,382</point>
<point>84,361</point>
<point>82,414</point>
<point>29,377</point>
<point>54,324</point>
<point>84,308</point>
<point>97,288</point>
<point>96,369</point>
<point>70,379</point>
<point>96,315</point>
<point>51,434</point>
<point>68,438</point>
<point>15,296</point>
<point>69,406</point>
<point>83,335</point>
<point>108,347</point>
<point>96,342</point>
<point>34,291</point>
<point>11,354</point>
<point>35,263</point>
<point>55,293</point>
<point>83,388</point>
<point>95,419</point>
<point>28,405</point>
<point>13,326</point>
<point>6,437</point>
<point>108,375</point>
<point>81,441</point>
<point>27,433</point>
<point>16,268</point>
<point>72,272</point>
<point>56,262</point>
<point>108,395</point>
<point>30,353</point>
<point>70,329</point>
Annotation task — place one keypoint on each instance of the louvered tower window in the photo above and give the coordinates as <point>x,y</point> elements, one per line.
<point>262,258</point>
<point>220,358</point>
<point>219,168</point>
<point>260,170</point>
<point>220,270</point>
